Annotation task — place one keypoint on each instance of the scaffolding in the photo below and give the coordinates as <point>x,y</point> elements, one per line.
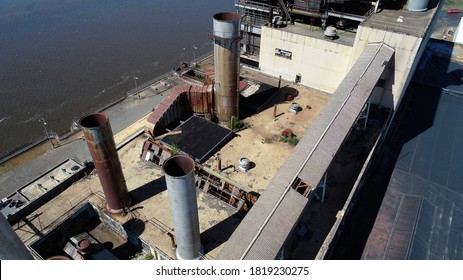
<point>253,15</point>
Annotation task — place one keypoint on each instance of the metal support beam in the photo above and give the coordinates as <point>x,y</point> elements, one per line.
<point>321,185</point>
<point>376,6</point>
<point>365,114</point>
<point>285,10</point>
<point>324,186</point>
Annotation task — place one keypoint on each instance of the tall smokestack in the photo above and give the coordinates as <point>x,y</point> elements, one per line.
<point>180,179</point>
<point>226,35</point>
<point>11,247</point>
<point>100,141</point>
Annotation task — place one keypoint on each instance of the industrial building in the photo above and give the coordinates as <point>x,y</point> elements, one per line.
<point>353,59</point>
<point>415,191</point>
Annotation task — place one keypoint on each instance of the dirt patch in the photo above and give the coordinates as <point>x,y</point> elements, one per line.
<point>260,140</point>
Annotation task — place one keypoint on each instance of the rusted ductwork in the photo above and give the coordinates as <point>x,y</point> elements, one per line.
<point>100,141</point>
<point>226,36</point>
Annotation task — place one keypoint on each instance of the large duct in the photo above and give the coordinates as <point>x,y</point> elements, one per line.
<point>11,247</point>
<point>417,5</point>
<point>226,35</point>
<point>100,141</point>
<point>180,178</point>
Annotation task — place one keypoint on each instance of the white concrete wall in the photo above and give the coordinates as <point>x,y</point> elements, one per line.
<point>459,33</point>
<point>406,51</point>
<point>383,95</point>
<point>322,64</point>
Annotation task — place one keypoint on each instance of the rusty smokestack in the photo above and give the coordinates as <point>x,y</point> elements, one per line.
<point>226,35</point>
<point>100,141</point>
<point>180,180</point>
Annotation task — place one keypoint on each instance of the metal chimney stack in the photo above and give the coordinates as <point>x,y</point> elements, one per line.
<point>226,36</point>
<point>180,178</point>
<point>11,247</point>
<point>100,141</point>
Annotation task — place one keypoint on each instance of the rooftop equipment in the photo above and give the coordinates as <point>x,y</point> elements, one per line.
<point>417,5</point>
<point>180,179</point>
<point>100,141</point>
<point>330,32</point>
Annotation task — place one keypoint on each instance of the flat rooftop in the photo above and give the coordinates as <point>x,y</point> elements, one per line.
<point>345,37</point>
<point>146,184</point>
<point>147,188</point>
<point>259,142</point>
<point>401,21</point>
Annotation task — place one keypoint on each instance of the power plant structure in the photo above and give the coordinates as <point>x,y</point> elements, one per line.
<point>245,193</point>
<point>226,36</point>
<point>180,179</point>
<point>99,137</point>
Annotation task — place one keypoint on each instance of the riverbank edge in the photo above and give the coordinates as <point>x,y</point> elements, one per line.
<point>130,94</point>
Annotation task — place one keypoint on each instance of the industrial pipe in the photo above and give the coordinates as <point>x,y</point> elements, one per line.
<point>100,141</point>
<point>180,179</point>
<point>297,11</point>
<point>11,247</point>
<point>226,35</point>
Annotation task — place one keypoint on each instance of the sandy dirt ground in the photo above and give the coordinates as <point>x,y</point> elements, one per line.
<point>259,142</point>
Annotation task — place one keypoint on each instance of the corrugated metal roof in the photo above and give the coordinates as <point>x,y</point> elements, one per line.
<point>266,227</point>
<point>421,216</point>
<point>342,110</point>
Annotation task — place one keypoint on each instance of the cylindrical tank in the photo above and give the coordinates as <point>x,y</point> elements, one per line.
<point>226,35</point>
<point>100,141</point>
<point>11,247</point>
<point>417,5</point>
<point>180,179</point>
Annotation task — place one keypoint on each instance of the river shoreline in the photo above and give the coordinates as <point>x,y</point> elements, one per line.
<point>134,108</point>
<point>66,135</point>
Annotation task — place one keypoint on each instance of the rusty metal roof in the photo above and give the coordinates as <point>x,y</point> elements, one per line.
<point>266,227</point>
